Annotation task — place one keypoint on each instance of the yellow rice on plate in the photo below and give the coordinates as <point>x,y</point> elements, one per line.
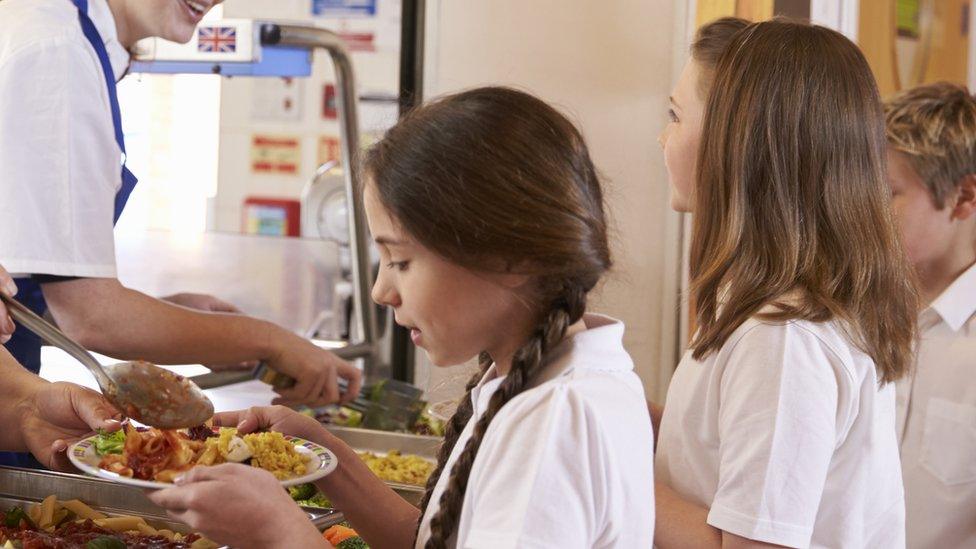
<point>273,453</point>
<point>270,451</point>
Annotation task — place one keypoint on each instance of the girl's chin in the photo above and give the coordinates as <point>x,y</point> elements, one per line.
<point>679,203</point>
<point>443,361</point>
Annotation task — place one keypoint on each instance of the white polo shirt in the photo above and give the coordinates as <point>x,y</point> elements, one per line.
<point>59,163</point>
<point>784,435</point>
<point>568,462</point>
<point>937,422</point>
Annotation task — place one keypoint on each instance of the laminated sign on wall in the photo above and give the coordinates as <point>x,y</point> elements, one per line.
<point>358,41</point>
<point>275,154</point>
<point>328,149</point>
<point>330,110</point>
<point>276,99</point>
<point>344,8</point>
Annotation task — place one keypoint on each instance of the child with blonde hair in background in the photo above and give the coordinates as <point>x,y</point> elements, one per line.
<point>932,172</point>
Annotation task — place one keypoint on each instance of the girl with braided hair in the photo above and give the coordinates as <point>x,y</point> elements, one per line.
<point>489,219</point>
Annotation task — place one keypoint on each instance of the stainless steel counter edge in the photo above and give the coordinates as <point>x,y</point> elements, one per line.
<point>30,485</point>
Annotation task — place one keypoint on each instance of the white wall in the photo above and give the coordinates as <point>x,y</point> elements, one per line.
<point>610,65</point>
<point>241,116</point>
<point>840,15</point>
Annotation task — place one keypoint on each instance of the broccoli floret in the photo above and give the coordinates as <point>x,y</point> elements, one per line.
<point>302,491</point>
<point>318,500</point>
<point>105,542</point>
<point>15,516</point>
<point>353,543</point>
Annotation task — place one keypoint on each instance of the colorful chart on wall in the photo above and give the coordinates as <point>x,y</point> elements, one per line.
<point>275,154</point>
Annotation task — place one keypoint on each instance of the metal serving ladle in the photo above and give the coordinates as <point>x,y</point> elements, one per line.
<point>140,390</point>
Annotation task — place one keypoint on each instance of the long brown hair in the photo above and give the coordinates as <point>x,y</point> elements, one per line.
<point>494,179</point>
<point>791,200</point>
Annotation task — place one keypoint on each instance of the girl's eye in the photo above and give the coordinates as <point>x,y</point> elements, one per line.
<point>672,115</point>
<point>399,265</point>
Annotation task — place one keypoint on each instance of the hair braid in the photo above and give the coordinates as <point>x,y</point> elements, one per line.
<point>504,155</point>
<point>564,311</point>
<point>452,431</point>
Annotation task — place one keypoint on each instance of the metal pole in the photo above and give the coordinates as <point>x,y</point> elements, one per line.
<point>362,274</point>
<point>412,34</point>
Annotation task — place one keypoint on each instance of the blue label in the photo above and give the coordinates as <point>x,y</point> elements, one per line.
<point>344,8</point>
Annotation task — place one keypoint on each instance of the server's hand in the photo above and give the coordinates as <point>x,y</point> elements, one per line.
<point>316,373</point>
<point>58,414</point>
<point>9,288</point>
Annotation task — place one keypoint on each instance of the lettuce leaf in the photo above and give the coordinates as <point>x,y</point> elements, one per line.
<point>109,443</point>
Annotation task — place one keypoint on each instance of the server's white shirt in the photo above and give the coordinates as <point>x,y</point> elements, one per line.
<point>59,163</point>
<point>784,435</point>
<point>567,463</point>
<point>937,422</point>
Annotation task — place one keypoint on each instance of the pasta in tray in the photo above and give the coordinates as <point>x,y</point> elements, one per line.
<point>161,455</point>
<point>73,524</point>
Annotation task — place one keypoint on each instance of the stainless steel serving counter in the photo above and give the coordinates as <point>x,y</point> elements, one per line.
<point>288,281</point>
<point>382,442</point>
<point>21,487</point>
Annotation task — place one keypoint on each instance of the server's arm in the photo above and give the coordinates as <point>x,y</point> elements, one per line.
<point>106,317</point>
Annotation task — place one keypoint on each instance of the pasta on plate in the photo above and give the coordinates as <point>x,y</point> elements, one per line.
<point>162,454</point>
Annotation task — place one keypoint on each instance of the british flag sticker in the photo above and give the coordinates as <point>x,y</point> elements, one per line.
<point>217,39</point>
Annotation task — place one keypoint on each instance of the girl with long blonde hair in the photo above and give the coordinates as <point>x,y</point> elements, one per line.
<point>779,423</point>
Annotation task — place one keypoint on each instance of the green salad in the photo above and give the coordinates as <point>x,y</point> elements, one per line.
<point>109,443</point>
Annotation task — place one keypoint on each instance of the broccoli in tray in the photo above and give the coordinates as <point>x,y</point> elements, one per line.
<point>342,536</point>
<point>16,517</point>
<point>308,495</point>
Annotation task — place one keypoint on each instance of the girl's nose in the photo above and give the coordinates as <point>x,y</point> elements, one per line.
<point>384,293</point>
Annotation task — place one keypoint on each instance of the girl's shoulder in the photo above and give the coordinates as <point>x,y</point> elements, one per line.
<point>590,377</point>
<point>589,360</point>
<point>798,342</point>
<point>596,412</point>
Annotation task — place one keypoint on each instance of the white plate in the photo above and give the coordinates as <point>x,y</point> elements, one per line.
<point>321,462</point>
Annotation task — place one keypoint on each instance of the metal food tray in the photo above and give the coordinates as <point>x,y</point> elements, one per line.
<point>381,442</point>
<point>21,487</point>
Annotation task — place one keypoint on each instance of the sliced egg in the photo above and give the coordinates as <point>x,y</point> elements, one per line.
<point>238,450</point>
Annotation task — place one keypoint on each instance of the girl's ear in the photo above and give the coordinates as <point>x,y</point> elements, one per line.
<point>965,198</point>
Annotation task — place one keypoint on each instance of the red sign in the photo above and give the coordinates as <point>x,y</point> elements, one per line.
<point>328,149</point>
<point>358,41</point>
<point>329,108</point>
